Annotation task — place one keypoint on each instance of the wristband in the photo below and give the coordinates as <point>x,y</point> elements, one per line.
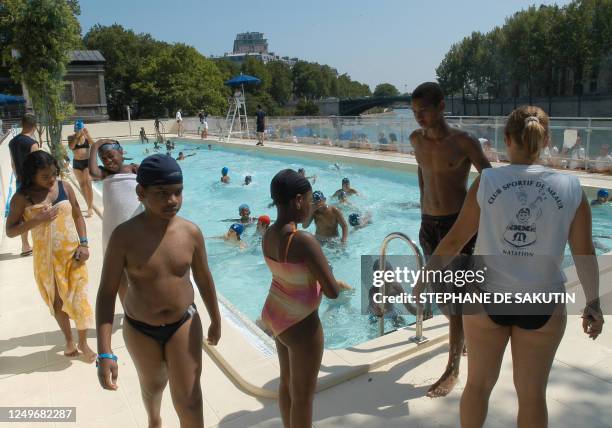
<point>105,356</point>
<point>83,240</point>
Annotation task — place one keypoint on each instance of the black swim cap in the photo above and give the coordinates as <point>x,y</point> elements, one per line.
<point>158,170</point>
<point>286,185</point>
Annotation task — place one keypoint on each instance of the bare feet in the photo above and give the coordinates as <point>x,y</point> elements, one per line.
<point>89,213</point>
<point>88,354</point>
<point>71,350</point>
<point>444,385</point>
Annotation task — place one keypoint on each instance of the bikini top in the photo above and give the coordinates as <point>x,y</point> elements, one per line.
<point>85,145</point>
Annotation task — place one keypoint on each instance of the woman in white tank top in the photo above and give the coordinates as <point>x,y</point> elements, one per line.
<point>524,211</point>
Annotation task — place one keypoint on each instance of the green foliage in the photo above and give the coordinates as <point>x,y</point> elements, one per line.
<point>178,76</point>
<point>306,108</point>
<point>281,87</point>
<point>126,53</point>
<point>386,90</point>
<point>348,88</point>
<point>537,48</point>
<point>42,32</point>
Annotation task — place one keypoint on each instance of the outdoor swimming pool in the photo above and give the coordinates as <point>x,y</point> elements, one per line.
<point>242,276</point>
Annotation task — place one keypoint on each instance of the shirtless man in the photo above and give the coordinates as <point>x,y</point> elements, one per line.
<point>327,219</point>
<point>346,188</point>
<point>162,328</point>
<point>445,156</point>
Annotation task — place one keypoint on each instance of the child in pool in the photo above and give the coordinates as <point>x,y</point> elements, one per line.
<point>163,332</point>
<point>225,179</point>
<point>233,235</point>
<point>49,208</point>
<point>263,222</point>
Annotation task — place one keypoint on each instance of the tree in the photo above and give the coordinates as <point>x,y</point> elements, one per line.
<point>178,76</point>
<point>385,90</point>
<point>306,108</point>
<point>43,33</point>
<point>125,53</point>
<point>348,88</point>
<point>281,87</point>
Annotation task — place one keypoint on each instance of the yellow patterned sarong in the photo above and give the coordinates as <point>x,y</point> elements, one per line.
<point>54,246</point>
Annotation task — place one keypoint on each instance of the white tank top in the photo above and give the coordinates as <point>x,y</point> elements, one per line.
<point>525,216</point>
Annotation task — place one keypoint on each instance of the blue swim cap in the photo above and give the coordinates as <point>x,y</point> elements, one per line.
<point>602,193</point>
<point>238,228</point>
<point>354,219</point>
<point>224,170</point>
<point>243,207</point>
<point>318,196</point>
<point>78,125</point>
<point>345,180</point>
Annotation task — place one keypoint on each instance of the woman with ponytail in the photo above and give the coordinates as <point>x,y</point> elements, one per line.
<point>524,214</point>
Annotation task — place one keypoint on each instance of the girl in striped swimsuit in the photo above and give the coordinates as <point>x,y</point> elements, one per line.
<point>300,275</point>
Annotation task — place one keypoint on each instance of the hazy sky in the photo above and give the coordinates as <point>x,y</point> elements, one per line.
<point>396,41</point>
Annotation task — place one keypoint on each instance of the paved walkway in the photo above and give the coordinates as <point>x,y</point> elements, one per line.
<point>33,372</point>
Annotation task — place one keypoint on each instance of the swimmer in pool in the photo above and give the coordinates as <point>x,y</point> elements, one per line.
<point>247,180</point>
<point>327,219</point>
<point>603,197</point>
<point>263,222</point>
<point>245,216</point>
<point>346,188</point>
<point>302,172</point>
<point>375,311</point>
<point>358,221</point>
<point>225,179</point>
<point>181,156</point>
<point>233,235</point>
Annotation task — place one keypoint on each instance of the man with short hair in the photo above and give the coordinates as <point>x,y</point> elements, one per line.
<point>261,125</point>
<point>444,156</point>
<point>20,147</point>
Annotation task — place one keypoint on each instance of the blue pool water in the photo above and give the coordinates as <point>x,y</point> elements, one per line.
<point>242,275</point>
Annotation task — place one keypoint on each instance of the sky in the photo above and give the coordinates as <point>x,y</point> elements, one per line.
<point>375,41</point>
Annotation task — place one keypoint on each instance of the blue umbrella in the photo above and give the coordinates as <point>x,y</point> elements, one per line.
<point>242,79</point>
<point>11,99</point>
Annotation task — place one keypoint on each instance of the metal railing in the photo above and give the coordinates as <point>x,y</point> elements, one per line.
<point>420,310</point>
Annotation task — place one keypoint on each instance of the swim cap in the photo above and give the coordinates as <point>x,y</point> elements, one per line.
<point>318,196</point>
<point>602,193</point>
<point>109,145</point>
<point>224,170</point>
<point>238,228</point>
<point>354,219</point>
<point>345,180</point>
<point>264,219</point>
<point>158,170</point>
<point>301,171</point>
<point>243,207</point>
<point>78,125</point>
<point>286,184</point>
<point>248,179</point>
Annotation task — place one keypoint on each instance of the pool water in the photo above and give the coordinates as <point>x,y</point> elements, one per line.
<point>242,276</point>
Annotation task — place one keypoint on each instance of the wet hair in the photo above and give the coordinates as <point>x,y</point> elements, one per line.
<point>527,126</point>
<point>28,121</point>
<point>286,185</point>
<point>430,92</point>
<point>34,162</point>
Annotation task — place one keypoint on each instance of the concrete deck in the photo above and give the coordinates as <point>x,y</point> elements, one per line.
<point>33,371</point>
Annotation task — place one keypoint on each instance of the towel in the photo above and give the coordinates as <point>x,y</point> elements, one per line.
<point>55,243</point>
<point>120,203</point>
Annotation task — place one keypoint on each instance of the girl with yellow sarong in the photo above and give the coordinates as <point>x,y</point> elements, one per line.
<point>48,207</point>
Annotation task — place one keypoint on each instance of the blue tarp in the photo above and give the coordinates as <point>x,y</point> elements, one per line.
<point>11,99</point>
<point>242,79</point>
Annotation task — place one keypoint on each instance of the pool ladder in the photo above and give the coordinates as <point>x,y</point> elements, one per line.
<point>418,338</point>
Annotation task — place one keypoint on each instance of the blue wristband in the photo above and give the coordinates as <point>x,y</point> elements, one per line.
<point>83,240</point>
<point>106,356</point>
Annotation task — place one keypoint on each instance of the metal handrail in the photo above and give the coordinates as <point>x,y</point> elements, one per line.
<point>418,338</point>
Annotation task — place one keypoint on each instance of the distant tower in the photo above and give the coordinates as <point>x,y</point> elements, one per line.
<point>250,43</point>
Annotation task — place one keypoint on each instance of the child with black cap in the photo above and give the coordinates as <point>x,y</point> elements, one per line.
<point>162,328</point>
<point>300,276</point>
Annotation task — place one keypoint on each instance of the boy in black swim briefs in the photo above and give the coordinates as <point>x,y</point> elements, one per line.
<point>162,330</point>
